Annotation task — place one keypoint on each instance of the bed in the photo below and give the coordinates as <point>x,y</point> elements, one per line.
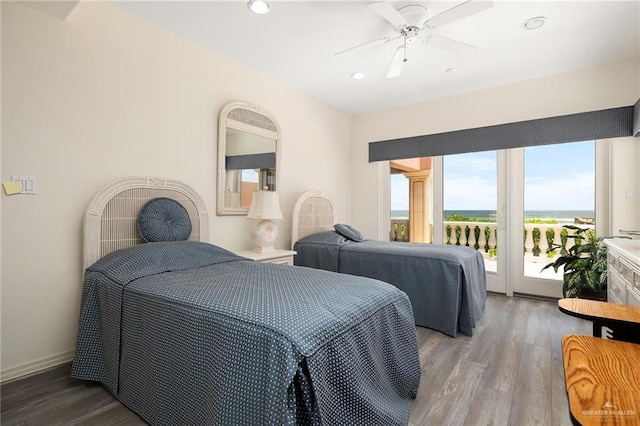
<point>446,284</point>
<point>185,332</point>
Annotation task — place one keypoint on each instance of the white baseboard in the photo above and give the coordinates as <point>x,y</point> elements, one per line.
<point>33,367</point>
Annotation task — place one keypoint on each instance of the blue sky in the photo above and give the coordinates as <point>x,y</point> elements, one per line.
<point>557,177</point>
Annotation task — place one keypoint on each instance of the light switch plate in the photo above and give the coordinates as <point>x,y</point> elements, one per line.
<point>28,184</point>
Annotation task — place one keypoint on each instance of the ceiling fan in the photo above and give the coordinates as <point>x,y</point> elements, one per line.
<point>410,21</point>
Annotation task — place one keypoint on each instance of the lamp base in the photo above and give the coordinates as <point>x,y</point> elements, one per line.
<point>264,236</point>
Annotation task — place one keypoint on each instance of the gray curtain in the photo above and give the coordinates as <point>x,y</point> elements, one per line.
<point>251,161</point>
<point>606,123</point>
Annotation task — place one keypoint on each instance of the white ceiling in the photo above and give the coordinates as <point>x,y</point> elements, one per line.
<point>295,44</point>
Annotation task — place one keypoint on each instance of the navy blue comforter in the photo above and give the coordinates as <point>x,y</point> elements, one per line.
<point>187,333</point>
<point>446,284</point>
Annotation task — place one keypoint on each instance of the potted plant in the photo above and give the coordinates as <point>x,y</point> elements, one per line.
<point>584,263</point>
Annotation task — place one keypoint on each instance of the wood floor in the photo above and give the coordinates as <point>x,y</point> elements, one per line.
<point>509,373</point>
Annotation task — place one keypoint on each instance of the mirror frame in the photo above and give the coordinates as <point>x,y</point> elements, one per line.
<point>224,123</point>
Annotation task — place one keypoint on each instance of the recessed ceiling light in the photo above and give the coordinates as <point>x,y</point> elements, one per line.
<point>357,75</point>
<point>258,6</point>
<point>534,23</point>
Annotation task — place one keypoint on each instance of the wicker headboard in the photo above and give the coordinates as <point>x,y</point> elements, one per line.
<point>110,220</point>
<point>314,212</point>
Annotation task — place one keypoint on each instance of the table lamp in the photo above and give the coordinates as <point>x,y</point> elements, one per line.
<point>265,206</point>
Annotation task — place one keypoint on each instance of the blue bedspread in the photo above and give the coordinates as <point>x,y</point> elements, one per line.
<point>187,333</point>
<point>446,284</point>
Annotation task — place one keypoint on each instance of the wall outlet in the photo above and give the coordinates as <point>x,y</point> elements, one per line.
<point>28,184</point>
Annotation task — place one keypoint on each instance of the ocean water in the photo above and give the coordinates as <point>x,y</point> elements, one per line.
<point>562,216</point>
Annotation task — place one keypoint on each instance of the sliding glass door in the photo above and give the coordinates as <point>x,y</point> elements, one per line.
<point>411,196</point>
<point>557,188</point>
<point>470,208</point>
<point>511,205</point>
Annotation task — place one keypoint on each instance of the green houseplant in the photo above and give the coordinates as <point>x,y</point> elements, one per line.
<point>584,263</point>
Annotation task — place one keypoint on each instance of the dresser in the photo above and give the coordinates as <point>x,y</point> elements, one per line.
<point>623,271</point>
<point>284,257</point>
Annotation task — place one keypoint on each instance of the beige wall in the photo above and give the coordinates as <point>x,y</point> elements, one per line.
<point>609,86</point>
<point>104,95</point>
<point>624,184</point>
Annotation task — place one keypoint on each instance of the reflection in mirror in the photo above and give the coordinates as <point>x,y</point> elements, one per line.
<point>248,152</point>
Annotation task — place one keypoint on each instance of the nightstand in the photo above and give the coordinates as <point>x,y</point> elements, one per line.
<point>283,257</point>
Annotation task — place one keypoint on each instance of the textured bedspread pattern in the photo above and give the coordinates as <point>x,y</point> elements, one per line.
<point>446,284</point>
<point>187,333</point>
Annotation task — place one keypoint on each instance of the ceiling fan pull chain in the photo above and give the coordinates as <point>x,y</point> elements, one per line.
<point>405,50</point>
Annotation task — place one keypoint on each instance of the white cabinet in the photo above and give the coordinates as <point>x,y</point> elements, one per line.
<point>623,271</point>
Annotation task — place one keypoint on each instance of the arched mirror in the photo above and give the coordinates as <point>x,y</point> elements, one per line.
<point>248,153</point>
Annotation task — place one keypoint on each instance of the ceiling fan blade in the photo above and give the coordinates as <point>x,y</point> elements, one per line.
<point>448,45</point>
<point>368,44</point>
<point>389,13</point>
<point>460,11</point>
<point>397,63</point>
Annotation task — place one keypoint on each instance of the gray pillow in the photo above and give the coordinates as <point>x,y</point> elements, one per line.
<point>348,231</point>
<point>163,219</point>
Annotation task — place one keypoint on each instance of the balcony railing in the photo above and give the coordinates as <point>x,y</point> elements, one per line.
<point>483,236</point>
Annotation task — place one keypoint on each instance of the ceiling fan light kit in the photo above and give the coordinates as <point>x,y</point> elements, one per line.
<point>410,21</point>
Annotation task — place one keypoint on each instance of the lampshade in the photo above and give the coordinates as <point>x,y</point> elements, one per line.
<point>265,205</point>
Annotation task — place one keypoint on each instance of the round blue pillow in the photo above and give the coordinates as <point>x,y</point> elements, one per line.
<point>163,219</point>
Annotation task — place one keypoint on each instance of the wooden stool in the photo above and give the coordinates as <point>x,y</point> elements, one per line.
<point>610,320</point>
<point>602,379</point>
